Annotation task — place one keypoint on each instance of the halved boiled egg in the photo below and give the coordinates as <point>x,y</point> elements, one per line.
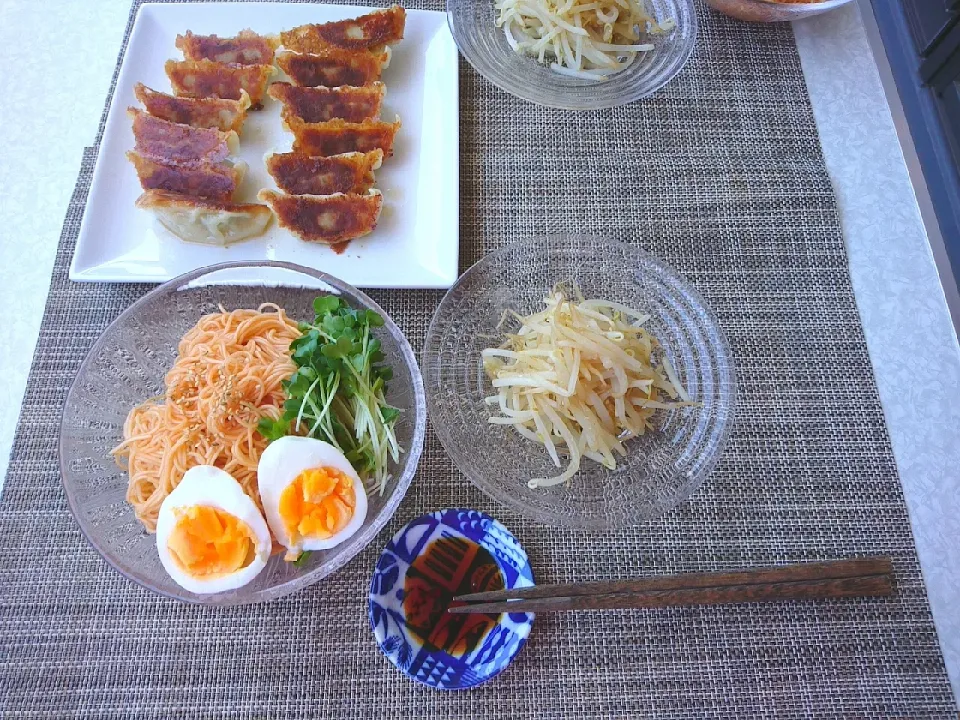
<point>312,496</point>
<point>210,535</point>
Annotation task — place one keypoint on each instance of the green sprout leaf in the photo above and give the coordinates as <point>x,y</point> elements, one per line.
<point>273,429</point>
<point>326,304</point>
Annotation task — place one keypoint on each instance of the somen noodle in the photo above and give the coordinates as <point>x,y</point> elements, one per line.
<point>226,378</point>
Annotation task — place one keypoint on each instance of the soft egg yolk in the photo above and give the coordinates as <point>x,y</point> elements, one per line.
<point>318,503</point>
<point>208,542</point>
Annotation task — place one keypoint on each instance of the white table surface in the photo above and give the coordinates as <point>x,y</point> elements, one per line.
<point>60,55</point>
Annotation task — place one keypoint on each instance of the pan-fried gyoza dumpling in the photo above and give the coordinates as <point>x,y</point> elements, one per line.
<point>198,112</point>
<point>217,182</point>
<point>336,136</point>
<point>383,27</point>
<point>319,104</point>
<point>175,143</point>
<point>205,78</point>
<point>247,48</point>
<point>333,67</point>
<point>300,174</point>
<point>205,221</point>
<point>328,219</point>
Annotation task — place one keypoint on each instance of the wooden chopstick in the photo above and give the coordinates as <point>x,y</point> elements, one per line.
<point>831,569</point>
<point>861,577</point>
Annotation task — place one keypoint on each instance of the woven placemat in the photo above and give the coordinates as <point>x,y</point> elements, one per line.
<point>721,175</point>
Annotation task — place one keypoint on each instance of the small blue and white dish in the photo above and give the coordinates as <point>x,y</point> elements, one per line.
<point>431,560</point>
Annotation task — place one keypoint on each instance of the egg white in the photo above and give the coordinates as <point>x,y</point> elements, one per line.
<point>281,463</point>
<point>209,486</point>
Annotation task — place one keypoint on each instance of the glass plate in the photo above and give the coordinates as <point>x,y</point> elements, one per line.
<point>485,46</point>
<point>127,365</point>
<point>662,468</point>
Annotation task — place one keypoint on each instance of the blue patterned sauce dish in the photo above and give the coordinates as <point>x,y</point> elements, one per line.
<point>427,563</point>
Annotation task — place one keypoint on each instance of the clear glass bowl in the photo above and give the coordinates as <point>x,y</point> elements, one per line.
<point>483,44</point>
<point>127,365</point>
<point>662,468</point>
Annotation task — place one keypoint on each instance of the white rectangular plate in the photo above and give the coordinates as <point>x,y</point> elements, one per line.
<point>416,241</point>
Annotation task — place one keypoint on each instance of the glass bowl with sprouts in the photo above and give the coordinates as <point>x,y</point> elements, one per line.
<point>579,381</point>
<point>575,54</point>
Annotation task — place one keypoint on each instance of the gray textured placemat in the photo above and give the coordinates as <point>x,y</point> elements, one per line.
<point>721,175</point>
